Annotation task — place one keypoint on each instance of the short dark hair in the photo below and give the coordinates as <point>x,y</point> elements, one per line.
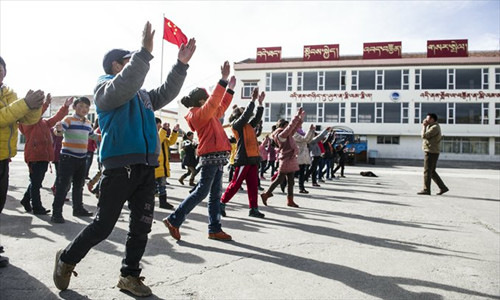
<point>194,97</point>
<point>281,123</point>
<point>2,62</point>
<point>433,116</point>
<point>81,99</point>
<point>158,120</point>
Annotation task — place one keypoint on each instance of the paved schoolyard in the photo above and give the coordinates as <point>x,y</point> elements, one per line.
<point>354,238</point>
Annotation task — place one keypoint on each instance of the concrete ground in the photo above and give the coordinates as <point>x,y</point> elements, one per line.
<point>353,238</point>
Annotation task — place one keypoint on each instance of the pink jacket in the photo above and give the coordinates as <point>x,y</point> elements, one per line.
<point>39,141</point>
<point>288,149</point>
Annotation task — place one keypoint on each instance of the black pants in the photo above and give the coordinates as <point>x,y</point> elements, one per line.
<point>302,176</point>
<point>37,174</point>
<point>341,166</point>
<point>430,163</point>
<point>71,170</point>
<point>116,187</point>
<point>4,181</point>
<point>313,169</point>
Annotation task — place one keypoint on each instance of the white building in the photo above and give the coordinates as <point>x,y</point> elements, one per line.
<point>384,100</point>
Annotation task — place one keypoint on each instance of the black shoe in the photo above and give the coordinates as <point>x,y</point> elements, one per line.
<point>261,188</point>
<point>26,204</point>
<point>223,209</point>
<point>166,205</point>
<point>1,249</point>
<point>40,211</point>
<point>442,191</point>
<point>282,189</point>
<point>57,219</point>
<point>304,191</point>
<point>82,212</point>
<point>424,192</point>
<point>254,212</point>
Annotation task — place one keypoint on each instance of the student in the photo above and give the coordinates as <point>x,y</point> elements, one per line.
<point>163,170</point>
<point>288,164</point>
<point>13,111</point>
<point>38,153</point>
<point>128,153</point>
<point>247,157</point>
<point>75,130</point>
<point>303,158</point>
<point>213,149</point>
<point>190,160</point>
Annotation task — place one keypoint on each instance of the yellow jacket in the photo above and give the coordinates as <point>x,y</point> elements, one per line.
<point>163,170</point>
<point>12,112</point>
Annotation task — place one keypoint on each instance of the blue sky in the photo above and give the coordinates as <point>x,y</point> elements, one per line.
<point>57,46</point>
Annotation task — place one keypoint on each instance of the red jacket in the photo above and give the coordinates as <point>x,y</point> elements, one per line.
<point>205,121</point>
<point>38,145</point>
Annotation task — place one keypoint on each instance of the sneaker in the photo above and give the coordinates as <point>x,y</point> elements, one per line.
<point>40,211</point>
<point>220,236</point>
<point>82,212</point>
<point>62,272</point>
<point>134,285</point>
<point>26,204</point>
<point>315,184</point>
<point>304,191</point>
<point>443,191</point>
<point>254,212</point>
<point>424,192</point>
<point>174,231</point>
<point>57,219</point>
<point>223,209</point>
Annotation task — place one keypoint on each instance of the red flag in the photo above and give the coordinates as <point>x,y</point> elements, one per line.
<point>173,34</point>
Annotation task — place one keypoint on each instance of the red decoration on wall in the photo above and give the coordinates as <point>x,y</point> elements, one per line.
<point>268,54</point>
<point>321,52</point>
<point>382,50</point>
<point>448,48</point>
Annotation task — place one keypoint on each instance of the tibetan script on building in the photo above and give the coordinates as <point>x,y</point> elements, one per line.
<point>270,54</point>
<point>448,48</point>
<point>315,97</point>
<point>321,52</point>
<point>382,50</point>
<point>463,95</point>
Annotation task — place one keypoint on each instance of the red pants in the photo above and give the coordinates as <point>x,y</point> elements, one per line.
<point>250,174</point>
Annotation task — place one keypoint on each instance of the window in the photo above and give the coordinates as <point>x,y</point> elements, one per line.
<point>246,90</point>
<point>332,112</point>
<point>433,79</point>
<point>275,111</point>
<point>310,81</point>
<point>279,81</point>
<point>392,79</point>
<point>467,79</point>
<point>405,111</point>
<point>392,113</point>
<point>388,139</point>
<point>363,113</point>
<point>468,113</point>
<point>465,145</point>
<point>422,109</point>
<point>497,146</point>
<point>497,113</point>
<point>497,78</point>
<point>335,81</point>
<point>406,79</point>
<point>311,110</point>
<point>366,80</point>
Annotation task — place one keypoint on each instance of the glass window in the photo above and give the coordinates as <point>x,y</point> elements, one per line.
<point>278,82</point>
<point>465,145</point>
<point>310,81</point>
<point>438,108</point>
<point>332,113</point>
<point>246,90</point>
<point>468,79</point>
<point>497,146</point>
<point>311,112</point>
<point>366,113</point>
<point>332,81</point>
<point>497,113</point>
<point>277,111</point>
<point>434,79</point>
<point>392,112</point>
<point>388,139</point>
<point>366,80</point>
<point>392,79</point>
<point>468,113</point>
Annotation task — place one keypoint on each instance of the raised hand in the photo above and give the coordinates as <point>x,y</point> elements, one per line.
<point>232,83</point>
<point>225,70</point>
<point>186,51</point>
<point>48,98</point>
<point>255,93</point>
<point>301,113</point>
<point>147,37</point>
<point>59,126</point>
<point>69,101</point>
<point>312,127</point>
<point>34,99</point>
<point>261,98</point>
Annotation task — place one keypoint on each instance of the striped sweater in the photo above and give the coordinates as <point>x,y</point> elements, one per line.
<point>76,135</point>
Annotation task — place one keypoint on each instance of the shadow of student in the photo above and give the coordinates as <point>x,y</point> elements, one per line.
<point>383,287</point>
<point>16,283</point>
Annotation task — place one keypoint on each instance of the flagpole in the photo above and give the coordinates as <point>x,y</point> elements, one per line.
<point>161,74</point>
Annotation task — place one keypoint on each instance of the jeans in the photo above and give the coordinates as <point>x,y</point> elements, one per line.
<point>327,166</point>
<point>4,181</point>
<point>210,183</point>
<point>70,170</point>
<point>88,162</point>
<point>37,174</point>
<point>161,185</point>
<point>116,187</point>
